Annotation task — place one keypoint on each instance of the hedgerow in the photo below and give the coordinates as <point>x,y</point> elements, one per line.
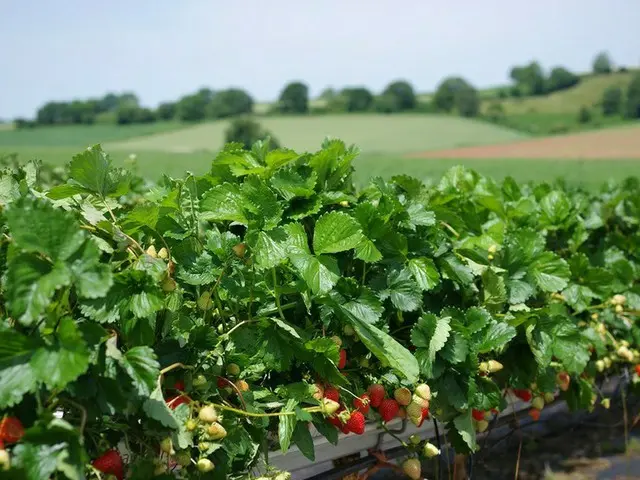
<point>188,327</point>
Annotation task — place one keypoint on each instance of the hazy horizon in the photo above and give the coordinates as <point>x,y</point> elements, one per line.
<point>161,50</point>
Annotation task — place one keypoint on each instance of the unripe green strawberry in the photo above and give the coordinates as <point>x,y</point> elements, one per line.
<point>166,445</point>
<point>423,391</point>
<point>364,362</point>
<point>414,439</point>
<point>606,403</point>
<point>199,381</point>
<point>204,301</point>
<point>344,203</point>
<point>160,469</point>
<point>183,458</point>
<point>337,340</point>
<point>205,465</point>
<point>549,397</point>
<point>618,299</point>
<point>203,446</point>
<point>151,251</point>
<point>482,426</point>
<point>208,414</point>
<point>430,450</point>
<point>349,331</point>
<point>492,249</point>
<point>414,410</point>
<point>318,391</point>
<point>233,369</point>
<point>600,365</point>
<point>239,250</point>
<point>329,407</point>
<point>163,254</point>
<point>216,431</point>
<point>538,403</point>
<point>402,396</point>
<point>607,362</point>
<point>168,285</point>
<point>5,460</point>
<point>412,468</point>
<point>619,309</point>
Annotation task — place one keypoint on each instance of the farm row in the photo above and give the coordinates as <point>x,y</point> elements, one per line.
<point>195,324</point>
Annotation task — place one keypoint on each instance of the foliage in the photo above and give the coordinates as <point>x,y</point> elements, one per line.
<point>632,107</point>
<point>612,100</point>
<point>529,78</point>
<point>167,111</point>
<point>266,258</point>
<point>602,63</point>
<point>131,114</point>
<point>495,111</point>
<point>456,93</point>
<point>229,103</point>
<point>246,132</point>
<point>193,108</point>
<point>353,99</point>
<point>404,98</point>
<point>584,114</point>
<point>294,98</point>
<point>560,79</point>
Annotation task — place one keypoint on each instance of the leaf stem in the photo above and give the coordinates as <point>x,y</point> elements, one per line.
<point>275,292</point>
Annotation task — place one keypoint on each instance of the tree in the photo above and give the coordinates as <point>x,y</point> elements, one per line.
<point>328,94</point>
<point>228,103</point>
<point>632,107</point>
<point>612,100</point>
<point>529,78</point>
<point>386,103</point>
<point>584,115</point>
<point>405,97</point>
<point>456,92</point>
<point>192,108</point>
<point>127,115</point>
<point>495,112</point>
<point>602,63</point>
<point>560,78</point>
<point>166,111</point>
<point>357,99</point>
<point>294,98</point>
<point>247,131</point>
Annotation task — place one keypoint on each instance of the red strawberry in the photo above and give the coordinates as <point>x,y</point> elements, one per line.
<point>524,395</point>
<point>177,400</point>
<point>343,359</point>
<point>638,369</point>
<point>332,393</point>
<point>477,414</point>
<point>376,394</point>
<point>222,383</point>
<point>535,414</point>
<point>110,463</point>
<point>362,403</point>
<point>388,409</point>
<point>179,385</point>
<point>355,423</point>
<point>11,430</point>
<point>425,415</point>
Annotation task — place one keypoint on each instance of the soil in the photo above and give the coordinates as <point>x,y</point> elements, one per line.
<point>619,143</point>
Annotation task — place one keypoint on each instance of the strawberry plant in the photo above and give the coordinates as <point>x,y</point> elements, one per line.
<point>190,326</point>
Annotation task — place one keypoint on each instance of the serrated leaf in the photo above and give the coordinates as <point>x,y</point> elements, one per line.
<point>464,426</point>
<point>303,440</point>
<point>550,272</point>
<point>155,407</point>
<point>487,395</point>
<point>403,291</point>
<point>455,270</point>
<point>430,335</point>
<point>578,296</point>
<point>519,291</point>
<point>556,208</point>
<point>16,375</point>
<point>91,278</point>
<point>286,425</point>
<point>424,272</point>
<point>270,248</point>
<point>494,290</point>
<point>541,345</point>
<point>92,170</point>
<point>38,461</point>
<point>456,348</point>
<point>496,337</point>
<point>327,430</point>
<point>320,273</point>
<point>223,202</point>
<point>336,232</point>
<point>367,251</point>
<point>141,365</point>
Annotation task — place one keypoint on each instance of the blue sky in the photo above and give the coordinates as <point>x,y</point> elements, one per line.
<point>162,49</point>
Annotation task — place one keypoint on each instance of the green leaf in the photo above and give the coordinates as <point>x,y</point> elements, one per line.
<point>302,439</point>
<point>286,425</point>
<point>141,216</point>
<point>456,349</point>
<point>404,291</point>
<point>430,335</point>
<point>424,272</point>
<point>91,278</point>
<point>327,430</point>
<point>541,345</point>
<point>290,183</point>
<point>38,461</point>
<point>496,337</point>
<point>455,270</point>
<point>578,296</point>
<point>270,248</point>
<point>64,360</point>
<point>320,273</point>
<point>556,209</point>
<point>155,407</point>
<point>92,170</point>
<point>223,202</point>
<point>141,365</point>
<point>30,283</point>
<point>383,346</point>
<point>367,251</point>
<point>550,272</point>
<point>464,426</point>
<point>487,395</point>
<point>336,232</point>
<point>36,226</point>
<point>494,291</point>
<point>16,375</point>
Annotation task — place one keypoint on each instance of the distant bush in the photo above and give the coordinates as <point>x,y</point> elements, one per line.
<point>247,131</point>
<point>561,79</point>
<point>229,103</point>
<point>632,107</point>
<point>166,111</point>
<point>503,93</point>
<point>294,98</point>
<point>455,93</point>
<point>495,112</point>
<point>602,63</point>
<point>611,100</point>
<point>515,91</point>
<point>128,115</point>
<point>584,115</point>
<point>386,103</point>
<point>356,99</point>
<point>403,95</point>
<point>22,123</point>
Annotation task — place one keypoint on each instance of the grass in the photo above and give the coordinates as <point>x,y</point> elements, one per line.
<point>550,123</point>
<point>591,173</point>
<point>79,135</point>
<point>373,133</point>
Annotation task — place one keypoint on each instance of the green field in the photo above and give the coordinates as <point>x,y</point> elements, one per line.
<point>373,133</point>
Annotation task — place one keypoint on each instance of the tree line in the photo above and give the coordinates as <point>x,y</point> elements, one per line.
<point>454,95</point>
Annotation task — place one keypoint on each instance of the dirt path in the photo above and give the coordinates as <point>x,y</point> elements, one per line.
<point>619,143</point>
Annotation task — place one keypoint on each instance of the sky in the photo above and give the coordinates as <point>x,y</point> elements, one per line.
<point>163,49</point>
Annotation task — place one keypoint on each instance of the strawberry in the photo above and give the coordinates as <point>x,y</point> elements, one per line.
<point>425,415</point>
<point>430,450</point>
<point>318,391</point>
<point>423,403</point>
<point>423,391</point>
<point>482,426</point>
<point>205,465</point>
<point>208,414</point>
<point>414,412</point>
<point>343,359</point>
<point>402,396</point>
<point>356,422</point>
<point>329,406</point>
<point>239,250</point>
<point>402,413</point>
<point>412,468</point>
<point>563,380</point>
<point>388,409</point>
<point>535,414</point>
<point>177,400</point>
<point>111,463</point>
<point>11,430</point>
<point>242,386</point>
<point>538,403</point>
<point>362,403</point>
<point>216,431</point>
<point>233,369</point>
<point>5,460</point>
<point>477,414</point>
<point>377,394</point>
<point>166,445</point>
<point>637,367</point>
<point>332,393</point>
<point>522,394</point>
<point>179,385</point>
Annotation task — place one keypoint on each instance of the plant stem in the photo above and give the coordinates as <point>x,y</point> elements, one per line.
<point>275,292</point>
